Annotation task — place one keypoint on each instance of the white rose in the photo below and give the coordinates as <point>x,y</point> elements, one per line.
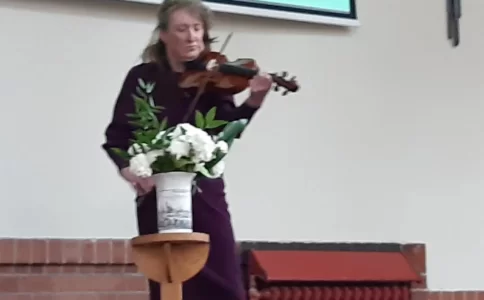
<point>223,146</point>
<point>153,155</point>
<point>189,129</point>
<point>140,166</point>
<point>179,147</point>
<point>218,169</point>
<point>203,146</point>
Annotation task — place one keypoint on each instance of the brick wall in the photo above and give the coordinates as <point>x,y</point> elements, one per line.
<point>68,270</point>
<point>99,270</point>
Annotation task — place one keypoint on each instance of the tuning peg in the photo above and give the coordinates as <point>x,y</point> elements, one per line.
<point>285,92</point>
<point>293,78</point>
<point>284,74</point>
<point>276,88</point>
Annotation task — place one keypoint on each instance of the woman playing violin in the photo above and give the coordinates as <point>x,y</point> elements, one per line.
<point>182,35</point>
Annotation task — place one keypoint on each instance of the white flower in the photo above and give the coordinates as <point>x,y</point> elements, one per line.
<point>158,136</point>
<point>192,142</point>
<point>137,148</point>
<point>203,151</point>
<point>153,155</point>
<point>179,147</point>
<point>222,146</point>
<point>218,169</point>
<point>140,165</point>
<point>199,167</point>
<point>184,129</point>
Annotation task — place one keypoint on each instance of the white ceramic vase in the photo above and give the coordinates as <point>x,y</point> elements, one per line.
<point>174,201</point>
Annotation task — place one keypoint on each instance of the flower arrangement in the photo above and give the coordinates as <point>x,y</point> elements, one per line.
<point>156,148</point>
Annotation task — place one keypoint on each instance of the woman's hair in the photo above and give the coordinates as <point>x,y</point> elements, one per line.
<point>156,50</point>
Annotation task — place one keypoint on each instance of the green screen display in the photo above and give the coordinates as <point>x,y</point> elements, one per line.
<point>337,6</point>
<point>345,9</point>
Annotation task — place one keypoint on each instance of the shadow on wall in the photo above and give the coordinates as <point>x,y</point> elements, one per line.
<point>133,11</point>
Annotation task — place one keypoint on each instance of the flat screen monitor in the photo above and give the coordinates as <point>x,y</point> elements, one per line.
<point>335,12</point>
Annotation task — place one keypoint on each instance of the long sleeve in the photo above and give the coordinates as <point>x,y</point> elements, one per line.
<point>119,131</point>
<point>228,111</point>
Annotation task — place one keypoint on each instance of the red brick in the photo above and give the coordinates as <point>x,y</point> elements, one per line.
<point>88,252</point>
<point>68,269</point>
<point>7,251</point>
<point>39,251</point>
<point>119,252</point>
<point>23,251</point>
<point>130,296</point>
<point>420,295</point>
<point>103,251</point>
<point>129,252</point>
<point>54,251</point>
<point>472,295</point>
<point>16,297</point>
<point>76,296</point>
<point>71,252</point>
<point>9,284</point>
<point>460,295</point>
<point>446,295</point>
<point>52,269</point>
<point>77,283</point>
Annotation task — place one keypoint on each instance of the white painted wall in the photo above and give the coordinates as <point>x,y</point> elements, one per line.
<point>384,142</point>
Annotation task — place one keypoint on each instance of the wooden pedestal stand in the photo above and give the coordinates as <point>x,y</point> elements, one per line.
<point>170,259</point>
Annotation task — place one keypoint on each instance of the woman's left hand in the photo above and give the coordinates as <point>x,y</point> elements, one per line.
<point>260,85</point>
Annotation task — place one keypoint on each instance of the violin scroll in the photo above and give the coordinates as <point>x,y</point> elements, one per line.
<point>290,85</point>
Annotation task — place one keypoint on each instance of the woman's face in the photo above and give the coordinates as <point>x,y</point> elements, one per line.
<point>184,35</point>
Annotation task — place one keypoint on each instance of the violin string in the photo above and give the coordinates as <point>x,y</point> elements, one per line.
<point>202,86</point>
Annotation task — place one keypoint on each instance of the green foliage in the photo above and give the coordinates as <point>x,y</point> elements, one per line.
<point>144,117</point>
<point>121,153</point>
<point>208,121</point>
<point>147,129</point>
<point>228,135</point>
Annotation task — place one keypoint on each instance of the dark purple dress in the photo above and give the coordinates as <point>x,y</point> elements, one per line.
<point>221,277</point>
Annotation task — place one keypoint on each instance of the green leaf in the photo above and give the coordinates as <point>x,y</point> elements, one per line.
<point>199,120</point>
<point>136,123</point>
<point>216,160</point>
<point>210,115</point>
<point>142,104</point>
<point>152,101</point>
<point>121,153</point>
<point>163,124</point>
<point>141,83</point>
<point>204,171</point>
<point>215,124</point>
<point>164,164</point>
<point>140,92</point>
<point>149,87</point>
<point>180,163</point>
<point>232,130</point>
<point>137,100</point>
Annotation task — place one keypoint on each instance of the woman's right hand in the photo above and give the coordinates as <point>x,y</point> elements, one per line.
<point>141,185</point>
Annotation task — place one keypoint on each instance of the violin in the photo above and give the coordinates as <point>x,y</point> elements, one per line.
<point>213,72</point>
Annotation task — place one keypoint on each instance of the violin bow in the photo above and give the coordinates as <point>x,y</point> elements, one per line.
<point>202,86</point>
